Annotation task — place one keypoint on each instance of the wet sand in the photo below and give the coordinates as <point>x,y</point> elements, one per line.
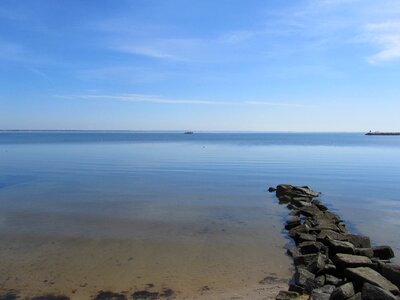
<point>225,260</point>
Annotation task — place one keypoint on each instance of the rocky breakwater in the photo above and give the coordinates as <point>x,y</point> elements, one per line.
<point>331,263</point>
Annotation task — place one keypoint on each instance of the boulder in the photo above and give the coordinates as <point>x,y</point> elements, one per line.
<point>364,274</point>
<point>293,252</point>
<point>315,283</point>
<point>310,247</point>
<point>322,293</point>
<point>317,263</point>
<point>293,222</point>
<point>333,280</point>
<point>287,295</point>
<point>391,272</point>
<point>383,252</point>
<point>271,189</point>
<point>306,237</point>
<point>356,297</point>
<point>343,292</point>
<point>330,235</point>
<point>336,246</point>
<point>368,252</point>
<point>373,292</point>
<point>343,260</point>
<point>359,241</point>
<point>301,276</point>
<point>303,228</point>
<point>304,260</point>
<point>309,211</point>
<point>318,204</point>
<point>295,191</point>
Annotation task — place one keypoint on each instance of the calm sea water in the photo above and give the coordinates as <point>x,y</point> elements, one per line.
<point>203,190</point>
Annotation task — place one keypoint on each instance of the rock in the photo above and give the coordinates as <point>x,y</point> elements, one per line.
<point>322,293</point>
<point>359,241</point>
<point>145,295</point>
<point>271,189</point>
<point>286,295</point>
<point>343,260</point>
<point>310,247</point>
<point>333,280</point>
<point>343,292</point>
<point>364,274</point>
<point>373,292</point>
<point>391,272</point>
<point>318,204</point>
<point>356,297</point>
<point>309,211</point>
<point>304,260</point>
<point>330,269</point>
<point>317,264</point>
<point>293,222</point>
<point>315,283</point>
<point>295,191</point>
<point>383,252</point>
<point>306,237</point>
<point>301,276</point>
<point>330,235</point>
<point>368,252</point>
<point>102,295</point>
<point>296,288</point>
<point>284,200</point>
<point>293,252</point>
<point>303,228</point>
<point>336,246</point>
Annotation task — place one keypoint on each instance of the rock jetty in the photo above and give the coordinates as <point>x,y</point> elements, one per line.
<point>331,263</point>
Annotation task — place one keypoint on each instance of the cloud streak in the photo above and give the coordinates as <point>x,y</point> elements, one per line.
<point>155,99</point>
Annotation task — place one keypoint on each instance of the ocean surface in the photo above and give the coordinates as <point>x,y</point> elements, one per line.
<point>124,211</point>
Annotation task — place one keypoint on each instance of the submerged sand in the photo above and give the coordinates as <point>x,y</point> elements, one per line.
<point>225,260</point>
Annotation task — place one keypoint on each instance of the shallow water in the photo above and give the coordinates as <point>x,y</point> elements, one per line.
<point>87,211</point>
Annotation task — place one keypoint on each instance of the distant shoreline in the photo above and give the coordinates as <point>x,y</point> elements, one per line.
<point>382,133</point>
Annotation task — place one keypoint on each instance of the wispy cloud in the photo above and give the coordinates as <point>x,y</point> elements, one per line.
<point>386,37</point>
<point>164,100</point>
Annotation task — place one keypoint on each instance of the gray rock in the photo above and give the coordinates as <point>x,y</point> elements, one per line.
<point>368,252</point>
<point>304,260</point>
<point>343,292</point>
<point>322,293</point>
<point>317,263</point>
<point>363,274</point>
<point>391,272</point>
<point>306,237</point>
<point>293,222</point>
<point>303,228</point>
<point>333,280</point>
<point>287,295</point>
<point>295,191</point>
<point>271,189</point>
<point>330,235</point>
<point>309,211</point>
<point>359,241</point>
<point>356,297</point>
<point>310,247</point>
<point>336,246</point>
<point>293,252</point>
<point>318,204</point>
<point>330,269</point>
<point>373,292</point>
<point>383,252</point>
<point>315,283</point>
<point>301,276</point>
<point>343,260</point>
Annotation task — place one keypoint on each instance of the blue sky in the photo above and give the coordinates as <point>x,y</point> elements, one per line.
<point>296,65</point>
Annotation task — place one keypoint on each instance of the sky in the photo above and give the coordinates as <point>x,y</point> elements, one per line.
<point>226,65</point>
